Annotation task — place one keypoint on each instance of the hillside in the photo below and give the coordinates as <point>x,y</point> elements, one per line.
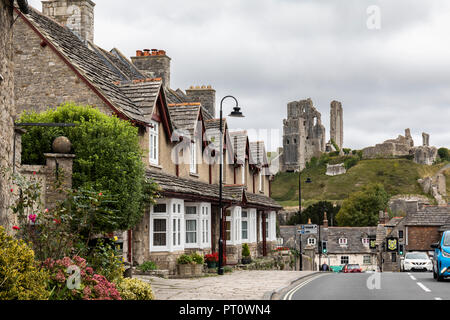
<point>399,176</point>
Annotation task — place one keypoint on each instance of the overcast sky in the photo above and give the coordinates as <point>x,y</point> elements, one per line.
<point>267,53</point>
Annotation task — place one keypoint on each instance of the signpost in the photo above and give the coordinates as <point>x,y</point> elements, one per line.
<point>305,229</point>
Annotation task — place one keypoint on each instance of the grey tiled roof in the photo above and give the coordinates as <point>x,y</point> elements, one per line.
<point>354,236</point>
<point>185,118</point>
<point>87,61</point>
<point>143,93</point>
<point>239,140</point>
<point>125,65</point>
<point>208,192</point>
<point>258,153</point>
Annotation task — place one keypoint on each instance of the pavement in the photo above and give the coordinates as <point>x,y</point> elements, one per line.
<point>370,286</point>
<point>238,285</point>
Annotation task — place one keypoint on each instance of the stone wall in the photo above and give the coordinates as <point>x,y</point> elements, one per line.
<point>336,169</point>
<point>43,79</point>
<point>7,109</point>
<point>77,15</point>
<point>337,124</point>
<point>155,64</point>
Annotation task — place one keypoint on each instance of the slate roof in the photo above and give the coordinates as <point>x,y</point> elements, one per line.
<point>178,96</point>
<point>184,117</point>
<point>143,93</point>
<point>258,153</point>
<point>354,236</point>
<point>88,61</point>
<point>239,140</point>
<point>208,192</point>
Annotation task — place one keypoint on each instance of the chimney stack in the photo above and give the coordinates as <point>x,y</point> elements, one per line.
<point>77,15</point>
<point>325,220</point>
<point>206,95</point>
<point>153,63</point>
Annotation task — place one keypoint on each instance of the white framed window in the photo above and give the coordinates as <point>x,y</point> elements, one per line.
<point>193,149</point>
<point>366,241</point>
<point>344,260</point>
<point>154,143</point>
<point>245,225</point>
<point>343,241</point>
<point>367,260</point>
<point>233,225</point>
<point>166,227</point>
<point>191,231</point>
<point>206,221</point>
<point>312,241</point>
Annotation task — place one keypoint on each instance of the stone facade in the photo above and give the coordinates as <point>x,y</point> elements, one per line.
<point>425,155</point>
<point>77,15</point>
<point>336,169</point>
<point>337,124</point>
<point>206,95</point>
<point>7,109</point>
<point>391,148</point>
<point>153,64</point>
<point>303,135</point>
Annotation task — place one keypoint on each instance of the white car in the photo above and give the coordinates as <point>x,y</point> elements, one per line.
<point>417,261</point>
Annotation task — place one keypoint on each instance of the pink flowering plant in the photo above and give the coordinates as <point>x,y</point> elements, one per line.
<point>91,286</point>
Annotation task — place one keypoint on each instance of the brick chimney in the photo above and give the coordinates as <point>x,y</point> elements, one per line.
<point>153,63</point>
<point>77,15</point>
<point>206,95</point>
<point>325,220</point>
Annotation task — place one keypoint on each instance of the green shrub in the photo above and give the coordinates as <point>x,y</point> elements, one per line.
<point>351,162</point>
<point>444,154</point>
<point>245,250</point>
<point>197,258</point>
<point>135,289</point>
<point>185,259</point>
<point>20,279</point>
<point>108,158</point>
<point>148,266</point>
<point>106,261</point>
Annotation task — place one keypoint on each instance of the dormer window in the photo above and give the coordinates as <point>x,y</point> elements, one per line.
<point>312,241</point>
<point>154,143</point>
<point>343,241</point>
<point>366,241</point>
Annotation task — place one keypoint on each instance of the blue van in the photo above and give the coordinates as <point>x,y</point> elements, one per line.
<point>441,261</point>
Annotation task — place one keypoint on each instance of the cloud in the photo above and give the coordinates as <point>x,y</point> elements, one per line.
<point>270,52</point>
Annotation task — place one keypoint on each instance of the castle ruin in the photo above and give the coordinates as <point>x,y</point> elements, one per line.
<point>304,134</point>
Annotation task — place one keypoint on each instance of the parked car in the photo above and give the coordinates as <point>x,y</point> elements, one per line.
<point>416,261</point>
<point>441,258</point>
<point>351,268</point>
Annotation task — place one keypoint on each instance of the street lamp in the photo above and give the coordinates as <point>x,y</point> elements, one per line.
<point>308,180</point>
<point>236,113</point>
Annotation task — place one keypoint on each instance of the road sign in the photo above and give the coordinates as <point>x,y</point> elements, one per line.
<point>307,229</point>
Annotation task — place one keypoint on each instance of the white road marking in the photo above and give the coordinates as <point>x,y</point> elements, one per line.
<point>413,278</point>
<point>423,287</point>
<point>437,298</point>
<point>289,295</point>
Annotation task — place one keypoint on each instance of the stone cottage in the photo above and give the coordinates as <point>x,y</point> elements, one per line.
<point>57,61</point>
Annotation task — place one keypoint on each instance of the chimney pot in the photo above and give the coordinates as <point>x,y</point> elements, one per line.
<point>139,53</point>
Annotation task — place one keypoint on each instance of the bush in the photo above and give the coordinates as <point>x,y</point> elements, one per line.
<point>20,279</point>
<point>108,158</point>
<point>135,289</point>
<point>197,258</point>
<point>148,266</point>
<point>245,250</point>
<point>105,260</point>
<point>351,162</point>
<point>185,259</point>
<point>90,286</point>
<point>444,154</point>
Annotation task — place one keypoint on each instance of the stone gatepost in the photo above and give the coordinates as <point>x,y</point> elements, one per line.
<point>58,171</point>
<point>309,256</point>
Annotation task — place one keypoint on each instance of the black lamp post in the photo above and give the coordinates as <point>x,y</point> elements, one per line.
<point>237,114</point>
<point>308,180</point>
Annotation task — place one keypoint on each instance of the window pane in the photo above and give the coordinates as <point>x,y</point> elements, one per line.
<point>159,208</point>
<point>159,239</point>
<point>244,214</point>
<point>191,210</point>
<point>159,225</point>
<point>244,230</point>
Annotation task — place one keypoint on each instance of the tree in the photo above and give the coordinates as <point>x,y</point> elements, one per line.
<point>362,208</point>
<point>108,158</point>
<point>444,154</point>
<point>315,212</point>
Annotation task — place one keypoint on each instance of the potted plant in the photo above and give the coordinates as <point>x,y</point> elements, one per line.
<point>212,259</point>
<point>198,262</point>
<point>184,265</point>
<point>246,258</point>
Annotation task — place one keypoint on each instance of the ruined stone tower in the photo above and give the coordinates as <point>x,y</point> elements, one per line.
<point>337,124</point>
<point>154,64</point>
<point>206,95</point>
<point>303,135</point>
<point>77,15</point>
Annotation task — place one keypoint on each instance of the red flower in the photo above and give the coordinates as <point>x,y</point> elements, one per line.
<point>16,228</point>
<point>34,173</point>
<point>100,194</point>
<point>56,221</point>
<point>12,190</point>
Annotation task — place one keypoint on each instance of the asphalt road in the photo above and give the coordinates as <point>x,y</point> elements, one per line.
<point>371,286</point>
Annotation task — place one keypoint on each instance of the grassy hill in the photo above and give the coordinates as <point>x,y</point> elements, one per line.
<point>399,176</point>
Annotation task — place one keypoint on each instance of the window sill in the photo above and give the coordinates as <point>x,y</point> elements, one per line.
<point>195,175</point>
<point>157,166</point>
